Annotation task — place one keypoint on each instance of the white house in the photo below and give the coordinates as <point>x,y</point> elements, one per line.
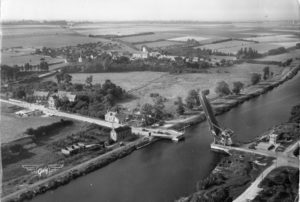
<point>115,117</point>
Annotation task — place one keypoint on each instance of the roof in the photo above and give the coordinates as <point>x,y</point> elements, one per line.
<point>41,93</point>
<point>122,128</point>
<point>121,116</point>
<point>62,94</point>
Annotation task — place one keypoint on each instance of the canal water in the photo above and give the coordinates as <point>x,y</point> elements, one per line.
<point>165,171</point>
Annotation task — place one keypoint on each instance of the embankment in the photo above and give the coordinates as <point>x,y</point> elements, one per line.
<point>224,104</point>
<point>65,176</point>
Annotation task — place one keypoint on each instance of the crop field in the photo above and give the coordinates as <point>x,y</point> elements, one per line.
<point>127,80</point>
<point>228,46</point>
<point>32,30</point>
<point>9,120</point>
<point>186,38</point>
<point>273,38</point>
<point>171,86</point>
<point>286,44</point>
<point>260,34</point>
<point>141,84</point>
<point>282,57</point>
<point>124,28</point>
<point>51,41</point>
<point>160,44</point>
<point>152,37</point>
<point>11,59</point>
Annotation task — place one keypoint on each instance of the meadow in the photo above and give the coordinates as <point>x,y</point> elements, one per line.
<point>11,121</point>
<point>12,59</point>
<point>159,44</point>
<point>142,84</point>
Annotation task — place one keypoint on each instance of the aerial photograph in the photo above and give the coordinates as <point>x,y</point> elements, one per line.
<point>150,101</point>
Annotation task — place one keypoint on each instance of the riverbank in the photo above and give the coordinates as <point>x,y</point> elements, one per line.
<point>240,176</point>
<point>65,176</point>
<point>226,103</point>
<point>47,187</point>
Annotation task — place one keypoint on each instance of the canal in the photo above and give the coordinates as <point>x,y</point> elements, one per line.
<point>165,171</point>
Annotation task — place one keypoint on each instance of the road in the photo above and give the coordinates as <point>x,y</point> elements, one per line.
<point>282,159</point>
<point>173,135</point>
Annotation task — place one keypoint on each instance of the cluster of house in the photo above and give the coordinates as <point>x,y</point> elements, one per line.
<point>118,133</point>
<point>145,53</point>
<point>49,99</point>
<point>79,147</point>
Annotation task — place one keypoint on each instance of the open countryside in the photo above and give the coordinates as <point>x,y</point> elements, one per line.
<point>88,94</point>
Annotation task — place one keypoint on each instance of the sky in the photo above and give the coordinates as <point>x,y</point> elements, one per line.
<point>125,10</point>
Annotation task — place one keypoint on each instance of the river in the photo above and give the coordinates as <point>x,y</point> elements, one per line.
<point>165,171</point>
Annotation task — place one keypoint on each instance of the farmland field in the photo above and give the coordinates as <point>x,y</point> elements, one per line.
<point>127,80</point>
<point>171,86</point>
<point>11,59</point>
<point>160,44</point>
<point>51,41</point>
<point>228,46</point>
<point>185,38</point>
<point>9,120</point>
<point>273,38</point>
<point>281,57</point>
<point>124,28</point>
<point>151,37</point>
<point>141,84</point>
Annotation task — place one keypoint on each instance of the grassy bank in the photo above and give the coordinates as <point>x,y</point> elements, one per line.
<point>224,104</point>
<point>72,172</point>
<point>220,105</point>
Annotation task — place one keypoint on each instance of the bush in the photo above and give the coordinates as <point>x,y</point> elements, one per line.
<point>255,78</point>
<point>266,71</point>
<point>237,86</point>
<point>192,99</point>
<point>222,88</point>
<point>277,51</point>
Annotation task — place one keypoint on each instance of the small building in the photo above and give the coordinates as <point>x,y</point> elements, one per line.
<point>120,133</point>
<point>28,112</point>
<point>66,95</point>
<point>73,149</point>
<point>40,96</point>
<point>80,59</point>
<point>144,49</point>
<point>273,139</point>
<point>115,117</point>
<point>51,102</point>
<point>140,55</point>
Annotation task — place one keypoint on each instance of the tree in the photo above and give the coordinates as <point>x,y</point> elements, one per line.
<point>147,112</point>
<point>222,88</point>
<point>58,77</point>
<point>20,93</point>
<point>89,81</point>
<point>255,78</point>
<point>67,78</point>
<point>192,99</point>
<point>78,87</point>
<point>180,107</point>
<point>29,131</point>
<point>237,86</point>
<point>205,92</point>
<point>266,72</point>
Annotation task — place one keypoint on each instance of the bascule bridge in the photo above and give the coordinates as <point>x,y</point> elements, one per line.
<point>221,136</point>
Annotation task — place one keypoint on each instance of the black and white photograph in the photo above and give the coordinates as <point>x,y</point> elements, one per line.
<point>149,100</point>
